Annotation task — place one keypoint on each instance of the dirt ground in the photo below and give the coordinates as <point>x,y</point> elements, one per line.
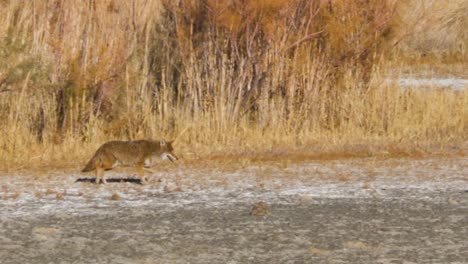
<point>343,211</point>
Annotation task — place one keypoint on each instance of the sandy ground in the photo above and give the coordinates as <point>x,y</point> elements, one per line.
<point>343,211</point>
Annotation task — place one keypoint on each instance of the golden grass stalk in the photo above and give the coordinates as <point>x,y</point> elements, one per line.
<point>257,77</point>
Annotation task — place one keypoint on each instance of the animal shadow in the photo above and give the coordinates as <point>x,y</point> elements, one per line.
<point>111,180</point>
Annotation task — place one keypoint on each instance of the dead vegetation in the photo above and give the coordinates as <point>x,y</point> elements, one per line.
<point>249,78</point>
<point>260,209</point>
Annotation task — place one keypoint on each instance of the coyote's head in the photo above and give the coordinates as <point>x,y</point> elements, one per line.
<point>167,150</point>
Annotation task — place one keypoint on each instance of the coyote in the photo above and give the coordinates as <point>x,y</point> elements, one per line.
<point>138,154</point>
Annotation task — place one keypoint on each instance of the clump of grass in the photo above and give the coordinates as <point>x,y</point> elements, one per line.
<point>246,77</point>
<point>260,209</point>
<point>344,177</point>
<point>59,195</point>
<point>366,185</point>
<point>12,196</point>
<point>49,192</point>
<point>38,194</point>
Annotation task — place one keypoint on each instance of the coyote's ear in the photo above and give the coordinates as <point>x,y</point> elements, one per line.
<point>162,142</point>
<point>170,142</point>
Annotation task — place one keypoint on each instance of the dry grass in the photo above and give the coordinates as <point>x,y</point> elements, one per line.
<point>436,31</point>
<point>264,80</point>
<point>260,209</point>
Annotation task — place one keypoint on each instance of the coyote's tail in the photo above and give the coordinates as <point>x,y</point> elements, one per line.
<point>91,165</point>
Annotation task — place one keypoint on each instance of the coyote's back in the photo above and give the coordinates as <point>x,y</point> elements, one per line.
<point>137,154</point>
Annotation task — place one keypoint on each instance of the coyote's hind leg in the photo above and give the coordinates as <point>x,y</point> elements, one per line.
<point>100,176</point>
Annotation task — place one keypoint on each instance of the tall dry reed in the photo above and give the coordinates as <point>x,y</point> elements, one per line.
<point>241,74</point>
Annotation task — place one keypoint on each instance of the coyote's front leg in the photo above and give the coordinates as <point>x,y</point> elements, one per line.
<point>141,173</point>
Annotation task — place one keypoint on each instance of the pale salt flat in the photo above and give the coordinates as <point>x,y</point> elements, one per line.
<point>454,83</point>
<point>344,211</point>
<point>366,179</point>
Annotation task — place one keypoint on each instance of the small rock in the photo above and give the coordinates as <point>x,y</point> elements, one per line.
<point>172,190</point>
<point>356,245</point>
<point>452,201</point>
<point>307,198</point>
<point>115,197</point>
<point>319,251</point>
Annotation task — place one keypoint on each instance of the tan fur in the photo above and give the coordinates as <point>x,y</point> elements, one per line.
<point>136,154</point>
